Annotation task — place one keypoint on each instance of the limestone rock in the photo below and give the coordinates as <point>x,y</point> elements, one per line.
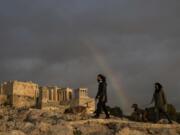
<point>14,132</point>
<point>40,122</point>
<point>128,131</point>
<point>62,129</point>
<point>92,129</point>
<point>28,127</point>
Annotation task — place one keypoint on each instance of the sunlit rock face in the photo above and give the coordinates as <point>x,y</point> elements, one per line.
<point>46,122</point>
<point>19,94</point>
<point>27,94</point>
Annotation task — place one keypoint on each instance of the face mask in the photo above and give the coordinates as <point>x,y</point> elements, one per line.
<point>99,80</point>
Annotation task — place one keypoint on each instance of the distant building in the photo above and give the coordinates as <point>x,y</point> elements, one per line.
<point>54,96</point>
<point>82,99</point>
<point>66,95</point>
<point>48,96</point>
<point>20,94</point>
<point>81,93</point>
<point>29,94</point>
<point>3,95</point>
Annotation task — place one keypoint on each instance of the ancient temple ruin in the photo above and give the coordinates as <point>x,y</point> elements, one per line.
<point>82,99</point>
<point>28,94</point>
<point>18,94</point>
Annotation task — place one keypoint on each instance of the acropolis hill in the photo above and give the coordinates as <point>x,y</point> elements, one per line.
<point>29,109</point>
<point>20,94</point>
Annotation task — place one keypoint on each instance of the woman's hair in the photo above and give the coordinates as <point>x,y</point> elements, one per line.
<point>102,77</point>
<point>159,85</point>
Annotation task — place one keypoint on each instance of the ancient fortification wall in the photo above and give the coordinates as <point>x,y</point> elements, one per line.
<point>26,89</point>
<point>19,94</point>
<point>29,94</point>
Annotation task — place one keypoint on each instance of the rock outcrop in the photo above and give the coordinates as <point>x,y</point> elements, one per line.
<point>39,122</point>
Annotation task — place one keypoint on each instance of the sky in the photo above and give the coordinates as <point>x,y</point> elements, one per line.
<point>67,43</point>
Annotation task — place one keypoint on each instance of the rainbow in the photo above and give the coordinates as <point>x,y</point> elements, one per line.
<point>115,80</point>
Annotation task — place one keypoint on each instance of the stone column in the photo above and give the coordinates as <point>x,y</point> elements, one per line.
<point>56,95</point>
<point>0,89</point>
<point>86,93</point>
<point>47,94</point>
<point>66,96</point>
<point>63,96</point>
<point>53,91</point>
<point>52,94</point>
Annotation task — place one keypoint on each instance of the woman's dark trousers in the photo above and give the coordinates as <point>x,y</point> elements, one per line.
<point>101,106</point>
<point>159,111</point>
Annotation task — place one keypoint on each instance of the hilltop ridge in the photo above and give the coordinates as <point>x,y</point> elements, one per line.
<point>41,122</point>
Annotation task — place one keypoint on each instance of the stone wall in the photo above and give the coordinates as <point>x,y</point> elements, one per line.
<point>3,99</point>
<point>23,101</point>
<point>28,94</point>
<point>28,89</point>
<point>7,89</point>
<point>89,103</point>
<point>82,99</point>
<point>25,94</point>
<point>19,94</point>
<point>3,96</point>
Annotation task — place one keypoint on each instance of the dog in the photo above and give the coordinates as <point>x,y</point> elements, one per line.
<point>139,114</point>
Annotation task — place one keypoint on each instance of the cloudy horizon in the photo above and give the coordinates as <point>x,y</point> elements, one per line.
<point>137,43</point>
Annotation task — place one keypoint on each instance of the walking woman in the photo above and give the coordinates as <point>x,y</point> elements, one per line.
<point>160,102</point>
<point>101,96</point>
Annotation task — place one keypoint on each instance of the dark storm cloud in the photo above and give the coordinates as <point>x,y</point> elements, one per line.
<point>46,41</point>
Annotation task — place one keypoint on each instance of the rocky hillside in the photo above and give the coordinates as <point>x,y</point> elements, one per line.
<point>38,122</point>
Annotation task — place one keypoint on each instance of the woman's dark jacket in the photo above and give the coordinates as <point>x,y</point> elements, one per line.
<point>159,99</point>
<point>102,92</point>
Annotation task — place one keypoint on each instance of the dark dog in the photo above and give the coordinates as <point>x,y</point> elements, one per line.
<point>139,114</point>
